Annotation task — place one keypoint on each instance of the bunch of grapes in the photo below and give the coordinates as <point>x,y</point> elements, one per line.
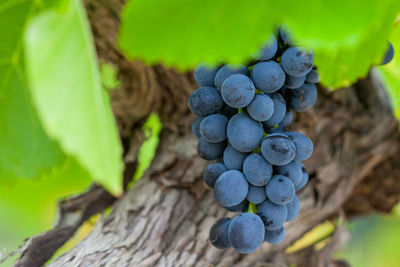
<point>242,114</point>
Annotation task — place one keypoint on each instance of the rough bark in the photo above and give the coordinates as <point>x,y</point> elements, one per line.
<point>165,218</point>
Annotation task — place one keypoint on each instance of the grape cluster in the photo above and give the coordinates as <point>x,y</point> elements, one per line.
<point>242,114</point>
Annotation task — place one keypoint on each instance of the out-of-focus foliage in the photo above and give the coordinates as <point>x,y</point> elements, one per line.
<point>109,76</point>
<point>66,88</point>
<point>29,206</point>
<point>390,73</point>
<point>151,129</point>
<point>374,242</point>
<point>346,36</point>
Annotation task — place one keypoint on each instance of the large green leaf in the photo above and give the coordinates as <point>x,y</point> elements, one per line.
<point>26,151</point>
<point>66,88</point>
<point>346,35</point>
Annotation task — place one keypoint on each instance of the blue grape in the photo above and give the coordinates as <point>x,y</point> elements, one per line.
<point>219,233</point>
<point>257,171</point>
<point>213,128</point>
<point>278,149</point>
<point>205,75</point>
<point>228,111</point>
<point>302,98</point>
<point>261,108</point>
<point>196,126</point>
<point>269,49</point>
<point>303,144</point>
<point>272,215</point>
<point>304,180</point>
<point>227,71</point>
<point>283,34</point>
<point>389,54</point>
<point>244,133</point>
<point>282,90</point>
<point>233,159</point>
<point>256,194</point>
<point>287,119</point>
<point>205,101</point>
<point>212,172</point>
<point>279,110</point>
<point>280,190</point>
<point>238,91</point>
<point>292,171</point>
<point>293,209</point>
<point>210,151</point>
<point>312,77</point>
<point>275,236</point>
<point>242,206</point>
<point>246,232</point>
<point>268,76</point>
<point>296,62</point>
<point>293,82</point>
<point>231,188</point>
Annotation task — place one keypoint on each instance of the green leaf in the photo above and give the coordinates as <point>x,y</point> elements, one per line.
<point>147,151</point>
<point>109,76</point>
<point>390,73</point>
<point>26,150</point>
<point>30,204</point>
<point>346,35</point>
<point>66,89</point>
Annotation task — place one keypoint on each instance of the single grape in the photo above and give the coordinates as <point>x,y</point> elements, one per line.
<point>303,144</point>
<point>268,50</point>
<point>212,172</point>
<point>205,75</point>
<point>219,233</point>
<point>293,82</point>
<point>287,119</point>
<point>292,171</point>
<point>228,70</point>
<point>275,236</point>
<point>304,180</point>
<point>280,190</point>
<point>244,133</point>
<point>293,209</point>
<point>302,98</point>
<point>389,54</point>
<point>242,206</point>
<point>205,101</point>
<point>273,216</point>
<point>279,110</point>
<point>256,194</point>
<point>261,108</point>
<point>196,126</point>
<point>312,77</point>
<point>213,128</point>
<point>246,232</point>
<point>210,151</point>
<point>231,188</point>
<point>228,111</point>
<point>297,62</point>
<point>237,91</point>
<point>268,76</point>
<point>257,171</point>
<point>233,159</point>
<point>278,149</point>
